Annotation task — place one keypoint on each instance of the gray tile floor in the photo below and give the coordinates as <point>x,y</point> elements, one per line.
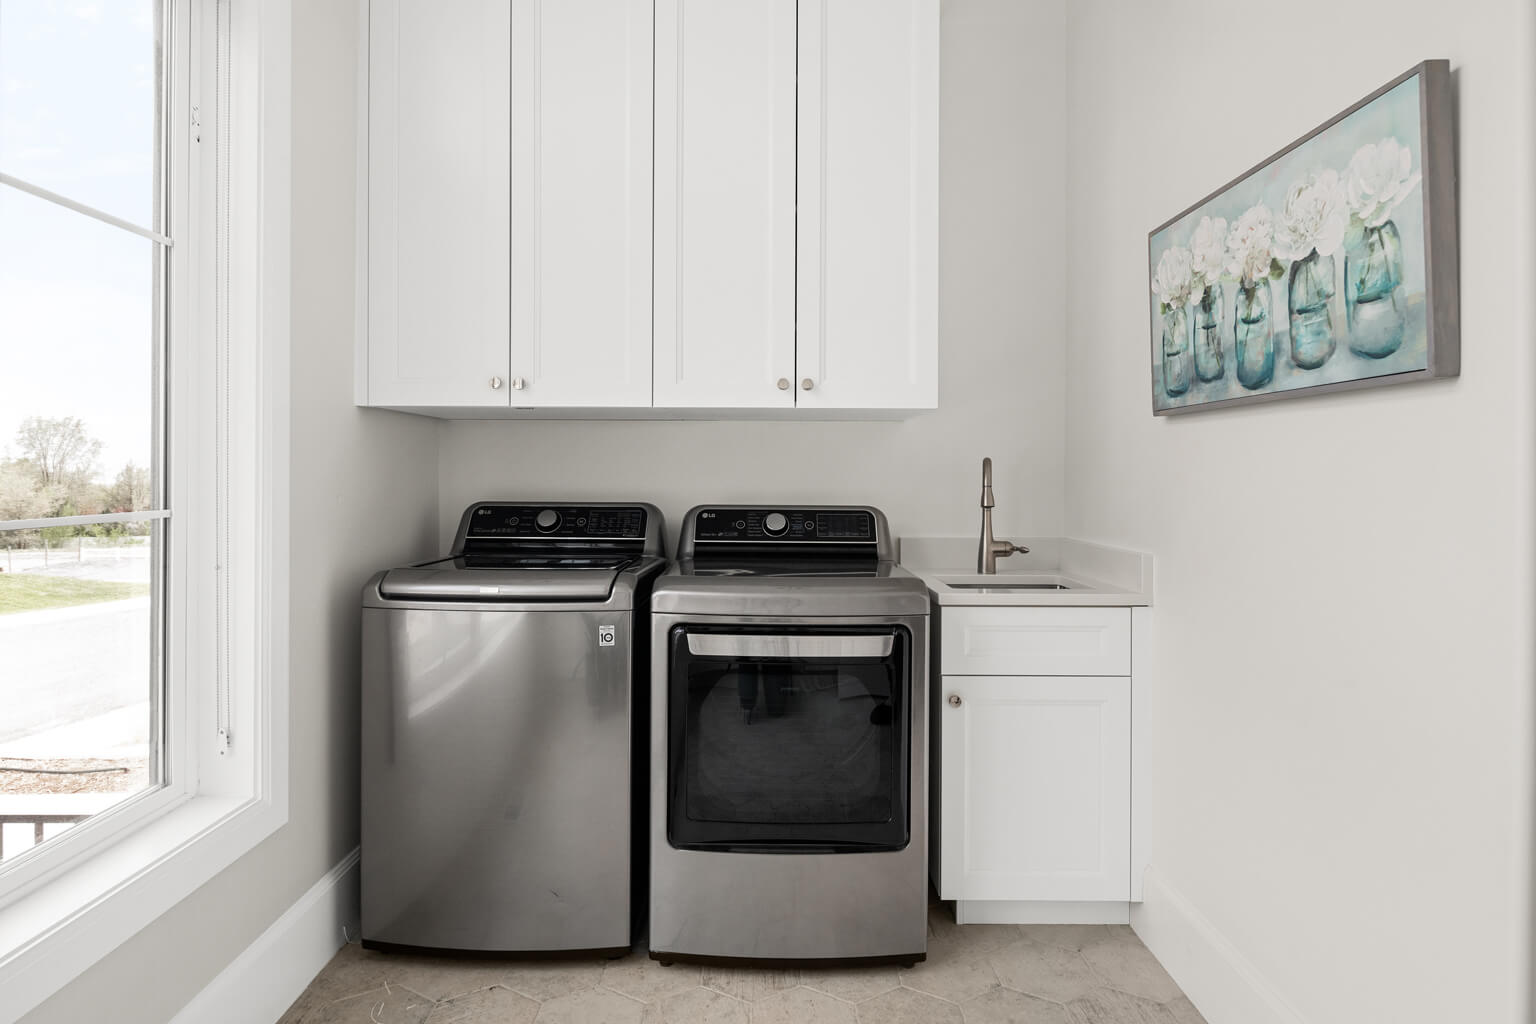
<point>975,974</point>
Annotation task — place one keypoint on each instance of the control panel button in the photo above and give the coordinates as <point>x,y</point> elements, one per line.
<point>774,524</point>
<point>547,521</point>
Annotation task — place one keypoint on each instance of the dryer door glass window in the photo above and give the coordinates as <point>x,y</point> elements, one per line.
<point>785,738</point>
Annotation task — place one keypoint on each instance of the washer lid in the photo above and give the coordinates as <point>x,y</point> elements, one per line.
<point>446,581</point>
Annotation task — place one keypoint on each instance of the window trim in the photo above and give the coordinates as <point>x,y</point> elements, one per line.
<point>72,918</point>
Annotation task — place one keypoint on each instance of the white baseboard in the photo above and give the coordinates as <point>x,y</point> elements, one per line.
<point>264,980</point>
<point>1222,983</point>
<point>1040,912</point>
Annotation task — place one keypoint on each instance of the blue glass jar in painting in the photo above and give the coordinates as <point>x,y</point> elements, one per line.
<point>1210,362</point>
<point>1311,292</point>
<point>1373,292</point>
<point>1253,335</point>
<point>1176,362</point>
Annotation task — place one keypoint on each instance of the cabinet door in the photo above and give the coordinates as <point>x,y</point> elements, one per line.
<point>725,203</point>
<point>867,269</point>
<point>1035,788</point>
<point>581,203</point>
<point>438,73</point>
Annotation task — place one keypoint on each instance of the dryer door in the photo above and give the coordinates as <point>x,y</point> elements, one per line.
<point>789,738</point>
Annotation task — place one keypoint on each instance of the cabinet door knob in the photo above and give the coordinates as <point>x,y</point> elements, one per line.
<point>954,700</point>
<point>518,383</point>
<point>495,383</point>
<point>807,384</point>
<point>783,383</point>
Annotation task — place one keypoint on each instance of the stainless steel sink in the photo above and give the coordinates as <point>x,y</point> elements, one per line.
<point>1003,588</point>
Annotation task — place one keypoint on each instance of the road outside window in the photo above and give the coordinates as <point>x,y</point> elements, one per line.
<point>82,518</point>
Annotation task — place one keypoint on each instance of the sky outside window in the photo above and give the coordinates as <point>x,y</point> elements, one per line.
<point>77,117</point>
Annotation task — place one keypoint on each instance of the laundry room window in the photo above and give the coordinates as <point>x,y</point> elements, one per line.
<point>84,518</point>
<point>144,323</point>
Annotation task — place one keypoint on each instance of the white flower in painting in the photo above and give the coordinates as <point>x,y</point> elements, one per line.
<point>1208,249</point>
<point>1248,244</point>
<point>1377,179</point>
<point>1175,277</point>
<point>1314,217</point>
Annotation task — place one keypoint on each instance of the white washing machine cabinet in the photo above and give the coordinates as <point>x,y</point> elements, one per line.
<point>788,738</point>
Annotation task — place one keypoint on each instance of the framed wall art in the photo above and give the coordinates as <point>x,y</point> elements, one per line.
<point>1330,266</point>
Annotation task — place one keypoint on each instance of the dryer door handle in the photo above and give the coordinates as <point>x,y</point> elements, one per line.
<point>789,645</point>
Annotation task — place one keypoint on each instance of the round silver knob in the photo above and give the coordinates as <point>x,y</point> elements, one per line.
<point>774,523</point>
<point>547,521</point>
<point>783,383</point>
<point>495,383</point>
<point>518,383</point>
<point>807,384</point>
<point>954,700</point>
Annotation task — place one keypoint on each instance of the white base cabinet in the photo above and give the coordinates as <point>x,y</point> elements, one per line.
<point>1033,768</point>
<point>1036,788</point>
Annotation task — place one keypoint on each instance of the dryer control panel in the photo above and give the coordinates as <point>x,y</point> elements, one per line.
<point>785,525</point>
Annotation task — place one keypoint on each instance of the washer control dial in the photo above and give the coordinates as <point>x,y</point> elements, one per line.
<point>547,521</point>
<point>774,524</point>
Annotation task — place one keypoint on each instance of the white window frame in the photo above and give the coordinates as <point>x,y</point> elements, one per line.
<point>68,905</point>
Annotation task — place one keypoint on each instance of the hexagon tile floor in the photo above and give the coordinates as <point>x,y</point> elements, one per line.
<point>975,974</point>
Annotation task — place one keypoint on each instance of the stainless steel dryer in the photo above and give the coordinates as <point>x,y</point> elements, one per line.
<point>789,734</point>
<point>504,736</point>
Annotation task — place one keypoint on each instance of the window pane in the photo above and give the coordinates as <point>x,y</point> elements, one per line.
<point>78,101</point>
<point>77,346</point>
<point>78,652</point>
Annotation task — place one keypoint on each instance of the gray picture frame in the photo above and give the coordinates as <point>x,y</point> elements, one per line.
<point>1441,302</point>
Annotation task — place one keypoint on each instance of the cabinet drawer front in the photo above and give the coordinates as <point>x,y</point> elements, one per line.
<point>1037,641</point>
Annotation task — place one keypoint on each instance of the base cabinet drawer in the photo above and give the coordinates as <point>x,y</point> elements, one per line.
<point>1035,787</point>
<point>1036,641</point>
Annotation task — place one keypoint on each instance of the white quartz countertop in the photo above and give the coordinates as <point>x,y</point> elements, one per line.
<point>1058,572</point>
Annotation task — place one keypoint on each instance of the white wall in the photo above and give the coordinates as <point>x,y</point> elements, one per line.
<point>1001,328</point>
<point>1342,721</point>
<point>376,469</point>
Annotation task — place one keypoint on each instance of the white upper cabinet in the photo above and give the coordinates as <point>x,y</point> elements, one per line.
<point>437,189</point>
<point>634,204</point>
<point>725,203</point>
<point>868,167</point>
<point>796,221</point>
<point>581,203</point>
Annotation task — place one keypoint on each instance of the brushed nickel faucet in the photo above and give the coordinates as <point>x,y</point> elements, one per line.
<point>990,549</point>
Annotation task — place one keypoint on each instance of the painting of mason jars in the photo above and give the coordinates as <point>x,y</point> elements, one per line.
<point>1332,265</point>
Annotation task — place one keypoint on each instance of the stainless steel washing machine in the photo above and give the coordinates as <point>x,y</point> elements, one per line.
<point>504,738</point>
<point>789,733</point>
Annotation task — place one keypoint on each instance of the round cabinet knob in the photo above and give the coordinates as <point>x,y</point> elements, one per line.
<point>954,700</point>
<point>783,383</point>
<point>774,523</point>
<point>547,521</point>
<point>807,384</point>
<point>495,383</point>
<point>518,383</point>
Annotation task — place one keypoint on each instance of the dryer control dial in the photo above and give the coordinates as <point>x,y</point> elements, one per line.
<point>774,524</point>
<point>547,521</point>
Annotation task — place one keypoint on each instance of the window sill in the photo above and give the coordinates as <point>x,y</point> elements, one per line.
<point>51,935</point>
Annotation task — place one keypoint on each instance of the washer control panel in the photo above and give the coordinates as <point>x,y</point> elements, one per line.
<point>558,521</point>
<point>789,525</point>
